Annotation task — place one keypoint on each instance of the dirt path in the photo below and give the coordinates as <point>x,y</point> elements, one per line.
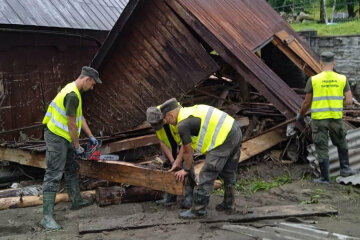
<point>22,223</point>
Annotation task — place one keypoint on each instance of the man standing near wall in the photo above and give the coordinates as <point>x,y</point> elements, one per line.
<point>212,132</point>
<point>325,94</point>
<point>64,121</point>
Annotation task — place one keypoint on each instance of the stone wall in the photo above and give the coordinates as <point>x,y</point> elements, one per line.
<point>347,50</point>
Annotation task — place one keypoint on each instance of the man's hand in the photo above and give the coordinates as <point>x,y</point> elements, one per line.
<point>79,151</point>
<point>93,141</point>
<point>180,175</point>
<point>175,166</point>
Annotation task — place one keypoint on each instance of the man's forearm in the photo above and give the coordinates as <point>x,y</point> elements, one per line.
<point>167,151</point>
<point>85,127</point>
<point>73,134</point>
<point>188,159</point>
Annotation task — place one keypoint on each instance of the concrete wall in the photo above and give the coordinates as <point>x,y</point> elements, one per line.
<point>347,50</point>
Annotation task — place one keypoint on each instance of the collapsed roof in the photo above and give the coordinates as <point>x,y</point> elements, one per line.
<point>160,49</point>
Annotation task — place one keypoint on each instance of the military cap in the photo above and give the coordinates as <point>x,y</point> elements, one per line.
<point>169,105</point>
<point>154,117</point>
<point>91,72</point>
<point>327,56</point>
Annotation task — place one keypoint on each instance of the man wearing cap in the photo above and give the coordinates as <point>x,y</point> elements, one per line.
<point>64,121</point>
<point>169,143</point>
<point>207,130</point>
<point>325,95</point>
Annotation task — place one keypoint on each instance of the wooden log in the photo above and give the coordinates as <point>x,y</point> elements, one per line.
<point>141,220</point>
<point>118,194</point>
<point>30,201</point>
<point>124,172</point>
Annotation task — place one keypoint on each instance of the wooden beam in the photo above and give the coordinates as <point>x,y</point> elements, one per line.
<point>142,220</point>
<point>131,143</point>
<point>121,172</point>
<point>124,172</point>
<point>23,157</point>
<point>289,45</point>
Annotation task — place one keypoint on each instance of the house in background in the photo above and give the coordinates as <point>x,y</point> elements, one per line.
<point>43,45</point>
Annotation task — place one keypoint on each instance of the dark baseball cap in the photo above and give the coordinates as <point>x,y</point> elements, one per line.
<point>169,105</point>
<point>91,72</point>
<point>154,117</point>
<point>327,56</point>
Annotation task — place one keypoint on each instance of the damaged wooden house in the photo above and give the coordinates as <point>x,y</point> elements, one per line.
<point>171,48</point>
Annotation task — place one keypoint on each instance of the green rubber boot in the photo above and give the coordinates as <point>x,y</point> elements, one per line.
<point>228,203</point>
<point>47,220</point>
<point>73,190</point>
<point>324,173</point>
<point>198,209</point>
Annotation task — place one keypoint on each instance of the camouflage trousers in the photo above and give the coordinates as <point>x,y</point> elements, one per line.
<point>222,161</point>
<point>321,130</point>
<point>60,159</point>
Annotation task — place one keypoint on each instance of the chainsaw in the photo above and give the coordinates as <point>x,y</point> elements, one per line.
<point>91,152</point>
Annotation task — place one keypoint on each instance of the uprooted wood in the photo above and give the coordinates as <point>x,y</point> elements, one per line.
<point>29,201</point>
<point>119,194</point>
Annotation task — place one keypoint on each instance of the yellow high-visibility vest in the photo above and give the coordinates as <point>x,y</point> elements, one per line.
<point>214,128</point>
<point>162,136</point>
<point>328,95</point>
<point>55,117</point>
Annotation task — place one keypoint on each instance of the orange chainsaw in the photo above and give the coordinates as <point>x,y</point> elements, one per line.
<point>91,152</point>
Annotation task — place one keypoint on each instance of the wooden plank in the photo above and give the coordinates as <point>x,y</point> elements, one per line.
<point>30,201</point>
<point>23,157</point>
<point>142,220</point>
<point>131,143</point>
<point>254,146</point>
<point>124,172</point>
<point>121,172</point>
<point>261,143</point>
<point>291,47</point>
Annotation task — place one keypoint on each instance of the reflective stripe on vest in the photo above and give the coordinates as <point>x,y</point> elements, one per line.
<point>328,95</point>
<point>56,118</point>
<point>214,128</point>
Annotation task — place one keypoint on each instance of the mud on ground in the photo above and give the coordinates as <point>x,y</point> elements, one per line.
<point>22,223</point>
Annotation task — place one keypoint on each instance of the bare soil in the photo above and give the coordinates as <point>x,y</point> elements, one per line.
<point>23,223</point>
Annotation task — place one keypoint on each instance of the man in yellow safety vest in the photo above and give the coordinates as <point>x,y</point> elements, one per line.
<point>209,131</point>
<point>63,123</point>
<point>325,95</point>
<point>170,144</point>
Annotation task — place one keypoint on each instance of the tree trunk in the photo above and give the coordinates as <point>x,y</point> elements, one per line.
<point>29,201</point>
<point>325,12</point>
<point>350,8</point>
<point>322,14</point>
<point>333,12</point>
<point>117,194</point>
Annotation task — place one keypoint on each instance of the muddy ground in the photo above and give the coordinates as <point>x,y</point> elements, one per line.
<point>22,223</point>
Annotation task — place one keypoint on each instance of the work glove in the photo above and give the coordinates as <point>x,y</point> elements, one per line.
<point>299,118</point>
<point>79,151</point>
<point>93,141</point>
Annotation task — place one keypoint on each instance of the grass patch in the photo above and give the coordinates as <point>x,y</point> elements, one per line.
<point>345,28</point>
<point>314,197</point>
<point>260,185</point>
